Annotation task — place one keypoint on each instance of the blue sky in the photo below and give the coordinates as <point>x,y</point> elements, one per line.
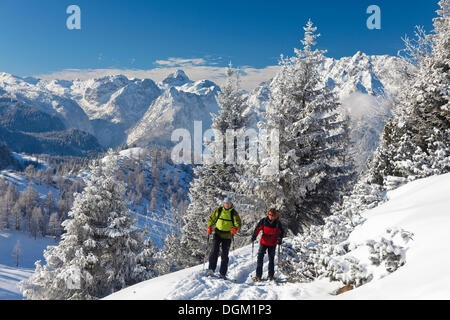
<point>144,34</point>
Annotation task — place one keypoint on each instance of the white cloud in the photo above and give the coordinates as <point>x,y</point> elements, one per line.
<point>360,106</point>
<point>250,77</point>
<point>172,62</point>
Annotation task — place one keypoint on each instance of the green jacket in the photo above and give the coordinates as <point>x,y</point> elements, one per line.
<point>224,222</point>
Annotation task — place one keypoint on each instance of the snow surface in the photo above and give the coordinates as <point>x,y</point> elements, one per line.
<point>10,275</point>
<point>420,207</point>
<point>22,183</point>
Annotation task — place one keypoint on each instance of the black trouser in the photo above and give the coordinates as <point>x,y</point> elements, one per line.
<point>259,263</point>
<point>214,255</point>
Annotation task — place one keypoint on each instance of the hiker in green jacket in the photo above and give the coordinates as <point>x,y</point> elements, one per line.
<point>224,223</point>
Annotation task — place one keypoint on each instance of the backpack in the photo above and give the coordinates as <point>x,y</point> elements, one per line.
<point>277,227</point>
<point>220,212</point>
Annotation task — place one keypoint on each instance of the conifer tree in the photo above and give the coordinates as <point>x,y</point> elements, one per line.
<point>213,181</point>
<point>312,139</point>
<point>416,142</point>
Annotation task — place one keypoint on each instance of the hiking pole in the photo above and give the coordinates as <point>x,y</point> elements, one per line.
<point>206,253</point>
<point>279,252</point>
<point>253,245</point>
<point>232,239</point>
<point>279,256</point>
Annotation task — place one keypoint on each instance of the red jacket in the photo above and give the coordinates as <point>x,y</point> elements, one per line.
<point>272,231</point>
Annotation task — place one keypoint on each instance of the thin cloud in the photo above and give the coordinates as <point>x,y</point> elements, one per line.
<point>250,77</point>
<point>180,62</point>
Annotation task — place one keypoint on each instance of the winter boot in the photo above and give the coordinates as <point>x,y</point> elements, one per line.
<point>209,273</point>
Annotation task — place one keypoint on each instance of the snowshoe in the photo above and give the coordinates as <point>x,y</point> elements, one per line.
<point>277,281</point>
<point>256,279</point>
<point>209,273</point>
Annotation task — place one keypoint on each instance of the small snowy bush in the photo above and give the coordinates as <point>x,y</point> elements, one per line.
<point>388,251</point>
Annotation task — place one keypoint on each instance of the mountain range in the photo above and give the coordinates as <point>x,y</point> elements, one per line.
<point>86,116</point>
<point>365,86</point>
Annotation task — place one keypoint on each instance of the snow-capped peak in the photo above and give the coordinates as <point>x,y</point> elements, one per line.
<point>8,78</point>
<point>201,87</point>
<point>178,78</point>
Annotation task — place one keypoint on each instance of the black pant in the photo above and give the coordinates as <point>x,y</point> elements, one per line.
<point>259,262</point>
<point>214,255</point>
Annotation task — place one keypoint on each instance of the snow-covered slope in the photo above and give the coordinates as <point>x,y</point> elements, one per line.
<point>161,221</point>
<point>114,98</point>
<point>42,96</point>
<point>420,207</point>
<point>366,74</point>
<point>10,274</point>
<point>176,108</point>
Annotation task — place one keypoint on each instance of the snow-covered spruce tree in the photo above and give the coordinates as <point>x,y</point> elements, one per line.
<point>99,251</point>
<point>416,142</point>
<point>315,252</point>
<point>171,257</point>
<point>232,103</point>
<point>212,181</point>
<point>312,140</point>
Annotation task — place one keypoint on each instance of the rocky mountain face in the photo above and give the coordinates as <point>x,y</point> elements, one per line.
<point>71,142</point>
<point>115,110</point>
<point>35,93</point>
<point>372,75</point>
<point>18,116</point>
<point>25,128</point>
<point>114,104</point>
<point>364,86</point>
<point>178,107</point>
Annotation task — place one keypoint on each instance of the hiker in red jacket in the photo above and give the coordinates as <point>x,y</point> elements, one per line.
<point>272,235</point>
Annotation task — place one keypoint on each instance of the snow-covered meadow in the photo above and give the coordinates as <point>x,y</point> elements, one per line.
<point>30,250</point>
